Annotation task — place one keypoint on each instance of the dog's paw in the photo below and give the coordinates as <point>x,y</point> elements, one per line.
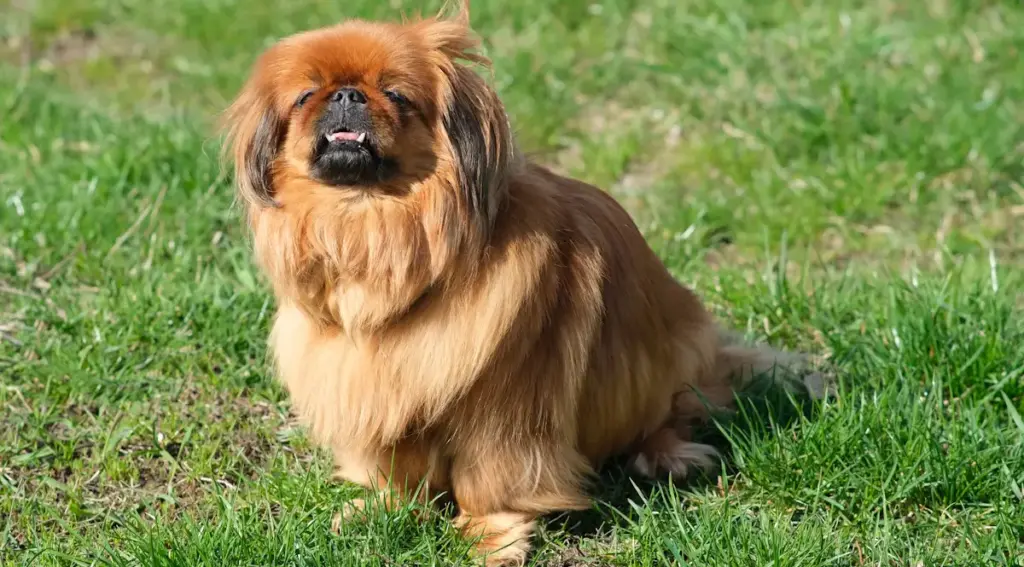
<point>501,540</point>
<point>350,511</point>
<point>664,452</point>
<point>679,461</point>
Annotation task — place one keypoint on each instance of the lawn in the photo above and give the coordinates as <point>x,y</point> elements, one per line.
<point>843,177</point>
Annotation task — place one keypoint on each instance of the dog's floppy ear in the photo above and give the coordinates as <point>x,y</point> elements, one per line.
<point>474,120</point>
<point>255,132</point>
<point>482,142</point>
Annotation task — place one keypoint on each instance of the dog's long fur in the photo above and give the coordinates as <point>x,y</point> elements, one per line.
<point>474,321</point>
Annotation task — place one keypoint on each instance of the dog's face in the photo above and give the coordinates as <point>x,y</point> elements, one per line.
<point>367,107</point>
<point>349,106</point>
<point>357,104</point>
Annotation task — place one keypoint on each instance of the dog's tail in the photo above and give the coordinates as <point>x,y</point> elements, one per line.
<point>736,365</point>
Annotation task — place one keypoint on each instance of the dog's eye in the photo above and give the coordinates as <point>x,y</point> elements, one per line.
<point>397,98</point>
<point>303,98</point>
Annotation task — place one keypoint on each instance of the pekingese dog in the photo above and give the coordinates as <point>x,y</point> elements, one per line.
<point>452,317</point>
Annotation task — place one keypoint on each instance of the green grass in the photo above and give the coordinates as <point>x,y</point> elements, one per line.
<point>841,177</point>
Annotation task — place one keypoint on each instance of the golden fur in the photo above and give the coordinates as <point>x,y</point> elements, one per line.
<point>474,322</point>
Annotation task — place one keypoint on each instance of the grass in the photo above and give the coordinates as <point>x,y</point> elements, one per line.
<point>841,177</point>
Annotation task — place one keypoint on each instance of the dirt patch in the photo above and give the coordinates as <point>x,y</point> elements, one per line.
<point>70,47</point>
<point>73,46</point>
<point>114,66</point>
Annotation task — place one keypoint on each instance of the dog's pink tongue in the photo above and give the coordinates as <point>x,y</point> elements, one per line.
<point>342,136</point>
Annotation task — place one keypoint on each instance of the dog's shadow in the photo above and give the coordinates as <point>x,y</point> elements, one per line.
<point>762,407</point>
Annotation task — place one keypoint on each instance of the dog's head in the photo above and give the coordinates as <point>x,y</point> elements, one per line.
<point>369,108</point>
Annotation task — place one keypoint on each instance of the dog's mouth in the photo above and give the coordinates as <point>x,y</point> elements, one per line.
<point>337,139</point>
<point>346,137</point>
<point>347,156</point>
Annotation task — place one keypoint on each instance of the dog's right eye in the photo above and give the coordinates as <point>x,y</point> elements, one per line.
<point>397,97</point>
<point>303,98</point>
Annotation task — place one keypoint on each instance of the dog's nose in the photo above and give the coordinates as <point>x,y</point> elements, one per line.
<point>349,96</point>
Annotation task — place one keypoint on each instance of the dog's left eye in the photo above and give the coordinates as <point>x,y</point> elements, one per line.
<point>397,98</point>
<point>303,98</point>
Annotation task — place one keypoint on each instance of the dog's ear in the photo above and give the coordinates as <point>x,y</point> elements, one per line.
<point>474,119</point>
<point>481,142</point>
<point>255,131</point>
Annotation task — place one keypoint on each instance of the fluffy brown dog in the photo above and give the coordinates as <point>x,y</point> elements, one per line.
<point>450,313</point>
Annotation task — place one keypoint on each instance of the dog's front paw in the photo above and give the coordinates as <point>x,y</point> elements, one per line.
<point>501,540</point>
<point>350,511</point>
